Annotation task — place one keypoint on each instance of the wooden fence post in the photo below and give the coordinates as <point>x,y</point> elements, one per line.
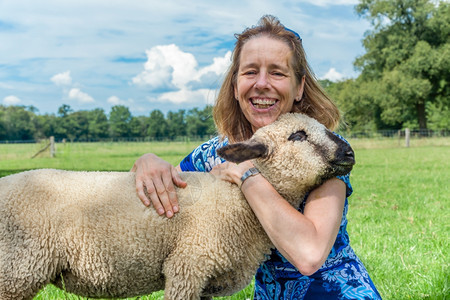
<point>407,137</point>
<point>52,146</point>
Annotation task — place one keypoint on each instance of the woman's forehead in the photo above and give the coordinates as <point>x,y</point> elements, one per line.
<point>267,50</point>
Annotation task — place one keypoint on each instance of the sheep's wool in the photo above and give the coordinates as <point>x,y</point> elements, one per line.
<point>87,232</point>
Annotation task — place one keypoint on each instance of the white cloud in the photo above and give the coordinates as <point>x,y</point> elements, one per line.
<point>114,100</point>
<point>333,75</point>
<point>77,94</point>
<point>63,78</point>
<point>186,95</point>
<point>218,67</point>
<point>165,65</point>
<point>11,100</point>
<point>169,67</point>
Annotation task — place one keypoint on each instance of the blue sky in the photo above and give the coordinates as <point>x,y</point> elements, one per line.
<point>148,54</point>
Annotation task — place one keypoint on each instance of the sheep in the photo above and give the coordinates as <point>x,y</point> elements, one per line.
<point>88,233</point>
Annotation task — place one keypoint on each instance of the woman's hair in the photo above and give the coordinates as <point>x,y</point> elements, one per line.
<point>228,116</point>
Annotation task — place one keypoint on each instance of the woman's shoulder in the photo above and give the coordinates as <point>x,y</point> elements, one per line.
<point>204,157</point>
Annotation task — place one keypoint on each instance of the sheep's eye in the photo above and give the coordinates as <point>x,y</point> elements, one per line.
<point>299,136</point>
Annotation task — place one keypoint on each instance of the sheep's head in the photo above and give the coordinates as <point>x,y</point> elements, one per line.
<point>295,154</point>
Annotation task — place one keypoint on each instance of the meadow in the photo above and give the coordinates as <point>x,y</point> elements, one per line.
<point>398,213</point>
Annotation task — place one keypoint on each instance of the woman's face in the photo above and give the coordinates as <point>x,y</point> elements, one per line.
<point>266,84</point>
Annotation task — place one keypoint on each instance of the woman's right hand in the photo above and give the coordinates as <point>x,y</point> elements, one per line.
<point>159,178</point>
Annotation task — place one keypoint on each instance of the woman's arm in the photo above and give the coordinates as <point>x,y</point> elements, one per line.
<point>304,239</point>
<point>159,178</point>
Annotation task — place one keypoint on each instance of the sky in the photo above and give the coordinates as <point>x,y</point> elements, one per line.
<point>153,54</point>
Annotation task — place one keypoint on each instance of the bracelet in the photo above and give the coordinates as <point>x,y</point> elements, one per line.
<point>250,172</point>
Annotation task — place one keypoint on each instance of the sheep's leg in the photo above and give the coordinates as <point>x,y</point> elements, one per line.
<point>19,278</point>
<point>185,279</point>
<point>25,265</point>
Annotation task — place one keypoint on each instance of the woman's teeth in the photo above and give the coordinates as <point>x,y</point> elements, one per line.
<point>263,103</point>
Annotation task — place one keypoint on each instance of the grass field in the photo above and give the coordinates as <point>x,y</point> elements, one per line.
<point>398,214</point>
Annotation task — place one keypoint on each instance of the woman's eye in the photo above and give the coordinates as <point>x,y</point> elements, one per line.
<point>278,74</point>
<point>298,136</point>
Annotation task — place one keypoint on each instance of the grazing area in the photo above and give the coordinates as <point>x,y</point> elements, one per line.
<point>398,214</point>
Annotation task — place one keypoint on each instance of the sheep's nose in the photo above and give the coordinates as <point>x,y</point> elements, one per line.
<point>350,155</point>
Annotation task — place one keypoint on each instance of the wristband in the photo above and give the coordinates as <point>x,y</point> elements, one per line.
<point>250,172</point>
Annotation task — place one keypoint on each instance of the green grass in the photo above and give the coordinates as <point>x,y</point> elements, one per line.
<point>398,215</point>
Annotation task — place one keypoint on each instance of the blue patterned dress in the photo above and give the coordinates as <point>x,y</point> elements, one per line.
<point>342,276</point>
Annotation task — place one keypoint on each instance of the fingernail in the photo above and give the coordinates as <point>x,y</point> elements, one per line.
<point>160,211</point>
<point>147,203</point>
<point>169,214</point>
<point>175,208</point>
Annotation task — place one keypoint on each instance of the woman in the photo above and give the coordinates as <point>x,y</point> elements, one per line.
<point>270,76</point>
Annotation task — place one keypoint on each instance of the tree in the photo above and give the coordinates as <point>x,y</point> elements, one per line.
<point>119,121</point>
<point>176,123</point>
<point>79,122</point>
<point>3,131</point>
<point>157,125</point>
<point>98,124</point>
<point>44,126</point>
<point>139,126</point>
<point>407,58</point>
<point>200,122</point>
<point>18,121</point>
<point>64,110</point>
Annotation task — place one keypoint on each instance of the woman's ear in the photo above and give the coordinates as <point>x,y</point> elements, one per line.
<point>300,90</point>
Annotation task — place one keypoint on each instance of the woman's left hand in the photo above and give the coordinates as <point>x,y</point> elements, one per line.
<point>231,172</point>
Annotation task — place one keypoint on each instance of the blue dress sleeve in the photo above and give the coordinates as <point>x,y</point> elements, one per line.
<point>204,157</point>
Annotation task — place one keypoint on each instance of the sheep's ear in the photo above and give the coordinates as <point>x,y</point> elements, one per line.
<point>243,151</point>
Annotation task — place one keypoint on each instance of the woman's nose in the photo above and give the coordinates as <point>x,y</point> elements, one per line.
<point>262,81</point>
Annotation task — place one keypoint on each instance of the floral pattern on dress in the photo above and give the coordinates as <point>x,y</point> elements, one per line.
<point>342,276</point>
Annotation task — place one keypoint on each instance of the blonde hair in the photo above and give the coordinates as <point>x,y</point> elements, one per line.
<point>228,116</point>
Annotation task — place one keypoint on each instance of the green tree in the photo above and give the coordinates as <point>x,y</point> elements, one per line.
<point>407,58</point>
<point>63,122</point>
<point>98,124</point>
<point>18,121</point>
<point>200,122</point>
<point>157,125</point>
<point>64,110</point>
<point>119,121</point>
<point>3,132</point>
<point>45,126</point>
<point>176,123</point>
<point>79,121</point>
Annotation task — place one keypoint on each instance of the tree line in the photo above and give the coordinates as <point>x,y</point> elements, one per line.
<point>405,72</point>
<point>22,123</point>
<point>403,83</point>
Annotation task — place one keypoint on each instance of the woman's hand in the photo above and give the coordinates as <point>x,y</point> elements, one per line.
<point>158,178</point>
<point>231,172</point>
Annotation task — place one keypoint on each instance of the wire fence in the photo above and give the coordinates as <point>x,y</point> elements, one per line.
<point>414,133</point>
<point>419,133</point>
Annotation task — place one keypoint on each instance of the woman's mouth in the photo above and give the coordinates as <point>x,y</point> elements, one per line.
<point>263,103</point>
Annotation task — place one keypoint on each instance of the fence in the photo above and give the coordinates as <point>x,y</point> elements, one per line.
<point>422,133</point>
<point>415,133</point>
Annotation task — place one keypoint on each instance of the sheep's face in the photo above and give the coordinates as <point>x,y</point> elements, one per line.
<point>295,153</point>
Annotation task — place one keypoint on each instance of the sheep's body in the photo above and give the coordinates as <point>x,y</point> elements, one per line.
<point>88,232</point>
<point>91,228</point>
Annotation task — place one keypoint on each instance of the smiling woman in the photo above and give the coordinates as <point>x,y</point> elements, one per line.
<point>268,77</point>
<point>266,84</point>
